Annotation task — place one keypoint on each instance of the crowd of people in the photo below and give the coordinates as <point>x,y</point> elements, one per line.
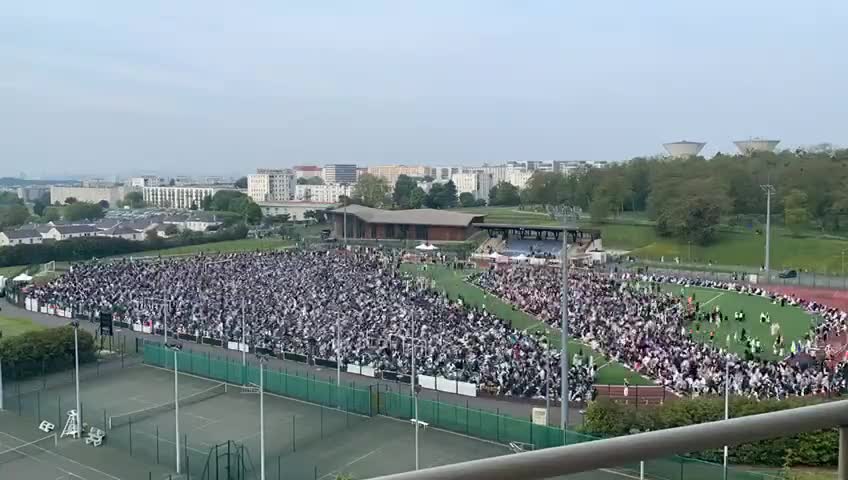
<point>630,319</point>
<point>293,302</point>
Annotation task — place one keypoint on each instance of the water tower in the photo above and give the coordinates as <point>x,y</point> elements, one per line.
<point>748,147</point>
<point>683,148</point>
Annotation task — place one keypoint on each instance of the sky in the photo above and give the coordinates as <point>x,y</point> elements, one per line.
<point>207,87</point>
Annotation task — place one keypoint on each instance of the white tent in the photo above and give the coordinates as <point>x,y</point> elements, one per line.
<point>427,247</point>
<point>22,278</point>
<point>494,255</point>
<point>521,258</point>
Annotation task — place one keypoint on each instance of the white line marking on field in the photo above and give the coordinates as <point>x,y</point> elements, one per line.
<point>713,299</point>
<point>355,460</point>
<point>614,472</point>
<point>66,472</point>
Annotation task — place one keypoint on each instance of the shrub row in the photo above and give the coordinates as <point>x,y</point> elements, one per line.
<point>607,418</point>
<point>43,351</point>
<point>85,248</point>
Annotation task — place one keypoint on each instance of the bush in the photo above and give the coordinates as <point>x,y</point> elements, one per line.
<point>43,351</point>
<point>85,248</point>
<point>607,418</point>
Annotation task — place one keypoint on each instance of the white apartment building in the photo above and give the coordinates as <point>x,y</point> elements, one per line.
<point>177,197</point>
<point>327,193</point>
<point>89,194</point>
<point>475,183</point>
<point>340,173</point>
<point>392,172</point>
<point>519,178</point>
<point>307,171</point>
<point>271,185</point>
<point>146,181</point>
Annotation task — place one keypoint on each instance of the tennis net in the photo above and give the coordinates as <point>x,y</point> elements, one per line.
<point>29,450</point>
<point>135,416</point>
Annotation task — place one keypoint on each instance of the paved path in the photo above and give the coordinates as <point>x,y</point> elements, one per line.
<point>517,408</point>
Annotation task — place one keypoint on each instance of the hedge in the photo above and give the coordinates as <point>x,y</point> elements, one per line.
<point>85,248</point>
<point>820,448</point>
<point>43,351</point>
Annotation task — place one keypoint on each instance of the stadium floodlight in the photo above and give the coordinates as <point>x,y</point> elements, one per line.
<point>75,324</point>
<point>262,359</point>
<point>176,349</point>
<point>726,405</point>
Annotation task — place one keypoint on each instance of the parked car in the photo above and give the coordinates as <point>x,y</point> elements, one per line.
<point>788,274</point>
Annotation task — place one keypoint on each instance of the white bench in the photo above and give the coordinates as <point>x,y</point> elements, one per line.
<point>95,437</point>
<point>46,426</point>
<point>419,423</point>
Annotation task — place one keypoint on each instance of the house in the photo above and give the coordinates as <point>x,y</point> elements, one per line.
<point>64,232</point>
<point>20,237</point>
<point>202,223</point>
<point>122,231</point>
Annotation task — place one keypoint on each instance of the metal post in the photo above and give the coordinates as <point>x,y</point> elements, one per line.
<point>842,469</point>
<point>338,359</point>
<point>243,342</point>
<point>77,375</point>
<point>176,410</point>
<point>262,418</point>
<point>1,384</point>
<point>642,470</point>
<point>344,225</point>
<point>548,387</point>
<point>563,420</point>
<point>165,328</point>
<point>769,189</point>
<point>414,394</point>
<point>726,407</point>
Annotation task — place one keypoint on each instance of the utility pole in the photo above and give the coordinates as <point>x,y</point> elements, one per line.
<point>564,396</point>
<point>769,189</point>
<point>344,224</point>
<point>243,346</point>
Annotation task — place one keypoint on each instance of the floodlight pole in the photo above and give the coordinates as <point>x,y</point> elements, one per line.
<point>243,345</point>
<point>262,416</point>
<point>75,324</point>
<point>564,396</point>
<point>769,189</point>
<point>548,387</point>
<point>414,393</point>
<point>1,384</point>
<point>176,406</point>
<point>726,405</point>
<point>338,357</point>
<point>344,224</point>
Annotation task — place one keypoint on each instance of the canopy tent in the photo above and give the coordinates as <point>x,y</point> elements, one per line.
<point>521,258</point>
<point>22,278</point>
<point>426,247</point>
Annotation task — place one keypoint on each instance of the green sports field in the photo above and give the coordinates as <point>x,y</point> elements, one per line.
<point>453,283</point>
<point>794,322</point>
<point>11,326</point>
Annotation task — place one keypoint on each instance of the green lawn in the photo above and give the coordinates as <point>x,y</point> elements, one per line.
<point>12,272</point>
<point>794,322</point>
<point>243,245</point>
<point>453,283</point>
<point>11,326</point>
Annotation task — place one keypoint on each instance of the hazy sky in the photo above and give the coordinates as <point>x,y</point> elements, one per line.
<point>224,87</point>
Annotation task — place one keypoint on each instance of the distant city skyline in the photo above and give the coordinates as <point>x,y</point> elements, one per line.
<point>123,88</point>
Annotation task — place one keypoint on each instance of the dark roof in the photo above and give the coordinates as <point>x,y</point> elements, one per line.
<point>64,229</point>
<point>22,233</point>
<point>106,223</point>
<point>421,216</point>
<point>121,230</point>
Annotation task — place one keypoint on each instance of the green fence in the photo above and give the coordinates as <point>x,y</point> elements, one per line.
<point>462,419</point>
<point>310,389</point>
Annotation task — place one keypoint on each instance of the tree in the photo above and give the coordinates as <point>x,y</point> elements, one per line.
<point>417,197</point>
<point>318,215</point>
<point>546,188</point>
<point>795,213</point>
<point>38,207</point>
<point>70,200</point>
<point>83,211</point>
<point>241,183</point>
<point>694,216</point>
<point>134,200</point>
<point>370,191</point>
<point>171,229</point>
<point>222,200</point>
<point>103,204</point>
<point>276,219</point>
<point>441,195</point>
<point>599,209</point>
<point>310,181</point>
<point>206,203</point>
<point>449,196</point>
<point>466,200</point>
<point>172,182</point>
<point>404,187</point>
<point>51,214</point>
<point>10,198</point>
<point>504,194</point>
<point>245,206</point>
<point>13,215</point>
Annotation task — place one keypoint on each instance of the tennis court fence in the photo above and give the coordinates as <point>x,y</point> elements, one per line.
<point>378,400</point>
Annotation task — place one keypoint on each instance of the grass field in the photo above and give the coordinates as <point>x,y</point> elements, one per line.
<point>11,326</point>
<point>453,283</point>
<point>11,272</point>
<point>634,233</point>
<point>794,322</point>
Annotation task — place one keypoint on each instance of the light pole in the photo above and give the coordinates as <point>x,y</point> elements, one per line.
<point>769,189</point>
<point>76,324</point>
<point>344,224</point>
<point>176,349</point>
<point>262,359</point>
<point>413,340</point>
<point>726,404</point>
<point>338,358</point>
<point>1,384</point>
<point>243,346</point>
<point>564,396</point>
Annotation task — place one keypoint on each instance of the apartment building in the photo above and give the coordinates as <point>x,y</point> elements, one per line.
<point>271,185</point>
<point>339,173</point>
<point>307,171</point>
<point>327,193</point>
<point>178,197</point>
<point>392,172</point>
